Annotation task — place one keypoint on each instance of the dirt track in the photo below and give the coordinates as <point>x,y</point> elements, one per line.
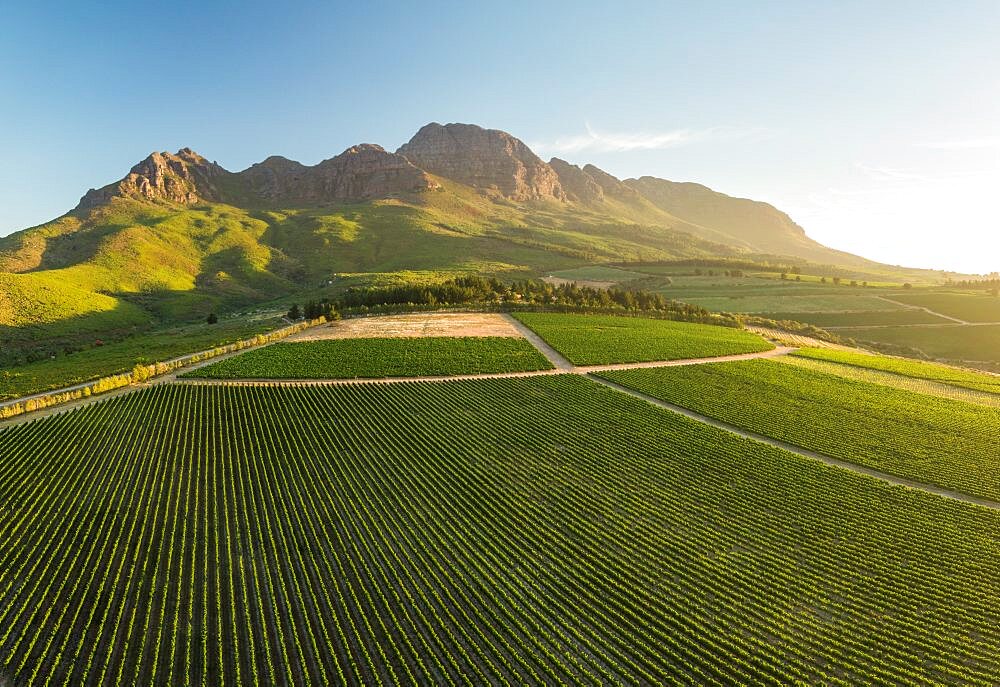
<point>562,366</point>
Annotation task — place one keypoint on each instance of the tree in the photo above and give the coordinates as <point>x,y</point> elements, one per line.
<point>784,276</point>
<point>293,312</point>
<point>212,318</point>
<point>836,280</point>
<point>907,285</point>
<point>822,280</point>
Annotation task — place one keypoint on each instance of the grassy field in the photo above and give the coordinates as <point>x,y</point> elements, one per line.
<point>515,531</point>
<point>896,381</point>
<point>861,319</point>
<point>599,273</point>
<point>404,357</point>
<point>604,339</point>
<point>964,306</point>
<point>932,440</point>
<point>958,343</point>
<point>122,356</point>
<point>908,368</point>
<point>788,302</point>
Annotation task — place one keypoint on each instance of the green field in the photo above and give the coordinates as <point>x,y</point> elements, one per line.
<point>513,531</point>
<point>404,357</point>
<point>971,307</point>
<point>122,356</point>
<point>860,319</point>
<point>870,376</point>
<point>604,339</point>
<point>599,273</point>
<point>908,368</point>
<point>979,343</point>
<point>932,440</point>
<point>786,302</point>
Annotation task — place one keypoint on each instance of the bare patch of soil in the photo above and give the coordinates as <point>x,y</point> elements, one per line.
<point>412,325</point>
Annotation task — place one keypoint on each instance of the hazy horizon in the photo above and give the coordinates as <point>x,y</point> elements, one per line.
<point>875,129</point>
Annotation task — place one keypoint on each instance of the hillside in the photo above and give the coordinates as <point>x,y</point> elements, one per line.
<point>179,236</point>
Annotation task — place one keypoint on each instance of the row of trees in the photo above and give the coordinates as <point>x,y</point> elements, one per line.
<point>485,290</point>
<point>324,308</point>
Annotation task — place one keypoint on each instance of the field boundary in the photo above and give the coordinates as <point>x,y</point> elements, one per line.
<point>792,448</point>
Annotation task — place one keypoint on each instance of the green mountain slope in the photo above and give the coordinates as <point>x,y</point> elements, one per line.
<point>180,237</point>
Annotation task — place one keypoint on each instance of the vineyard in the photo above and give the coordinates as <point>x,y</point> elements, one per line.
<point>542,530</point>
<point>866,318</point>
<point>607,339</point>
<point>377,357</point>
<point>937,441</point>
<point>964,306</point>
<point>944,374</point>
<point>896,381</point>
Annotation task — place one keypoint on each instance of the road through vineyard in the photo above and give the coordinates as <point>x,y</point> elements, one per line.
<point>495,531</point>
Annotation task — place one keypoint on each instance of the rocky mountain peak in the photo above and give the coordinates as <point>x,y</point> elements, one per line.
<point>361,172</point>
<point>184,178</point>
<point>578,185</point>
<point>612,185</point>
<point>487,159</point>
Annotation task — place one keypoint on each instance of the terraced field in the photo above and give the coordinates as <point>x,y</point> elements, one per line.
<point>505,531</point>
<point>607,339</point>
<point>937,441</point>
<point>402,357</point>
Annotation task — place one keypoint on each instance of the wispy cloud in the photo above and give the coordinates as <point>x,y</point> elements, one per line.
<point>963,144</point>
<point>890,173</point>
<point>620,142</point>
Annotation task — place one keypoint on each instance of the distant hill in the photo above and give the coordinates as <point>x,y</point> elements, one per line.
<point>180,236</point>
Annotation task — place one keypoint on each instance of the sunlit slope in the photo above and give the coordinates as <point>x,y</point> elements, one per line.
<point>178,262</point>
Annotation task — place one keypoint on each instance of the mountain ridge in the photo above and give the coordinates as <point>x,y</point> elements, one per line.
<point>179,236</point>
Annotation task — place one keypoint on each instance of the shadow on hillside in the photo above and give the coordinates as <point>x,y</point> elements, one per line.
<point>21,345</point>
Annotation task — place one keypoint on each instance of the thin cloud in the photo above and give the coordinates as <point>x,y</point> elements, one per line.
<point>619,142</point>
<point>963,144</point>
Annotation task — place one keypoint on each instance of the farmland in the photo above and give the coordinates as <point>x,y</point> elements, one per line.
<point>379,357</point>
<point>867,318</point>
<point>932,440</point>
<point>789,302</point>
<point>601,339</point>
<point>506,531</point>
<point>963,306</point>
<point>896,381</point>
<point>908,368</point>
<point>978,345</point>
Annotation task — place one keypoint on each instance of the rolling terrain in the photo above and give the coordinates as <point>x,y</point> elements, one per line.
<point>180,237</point>
<point>546,526</point>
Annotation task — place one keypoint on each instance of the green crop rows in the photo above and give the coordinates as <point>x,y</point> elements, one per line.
<point>964,306</point>
<point>908,368</point>
<point>604,339</point>
<point>877,318</point>
<point>932,440</point>
<point>506,531</point>
<point>403,357</point>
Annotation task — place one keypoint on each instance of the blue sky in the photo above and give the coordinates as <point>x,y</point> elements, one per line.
<point>876,125</point>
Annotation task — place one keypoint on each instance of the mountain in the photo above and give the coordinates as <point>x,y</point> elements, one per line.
<point>485,159</point>
<point>180,236</point>
<point>750,224</point>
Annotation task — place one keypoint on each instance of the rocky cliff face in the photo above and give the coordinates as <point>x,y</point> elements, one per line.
<point>577,184</point>
<point>183,178</point>
<point>611,185</point>
<point>361,172</point>
<point>484,158</point>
